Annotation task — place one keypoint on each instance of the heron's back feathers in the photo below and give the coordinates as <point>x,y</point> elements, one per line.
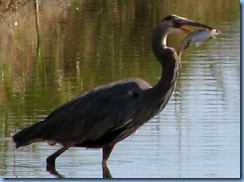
<point>88,117</point>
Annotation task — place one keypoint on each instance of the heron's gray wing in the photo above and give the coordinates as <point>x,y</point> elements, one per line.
<point>96,112</point>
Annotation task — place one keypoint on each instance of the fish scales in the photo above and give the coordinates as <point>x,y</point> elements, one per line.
<point>197,37</point>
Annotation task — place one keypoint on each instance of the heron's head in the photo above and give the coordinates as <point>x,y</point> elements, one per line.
<point>173,24</point>
<point>176,23</point>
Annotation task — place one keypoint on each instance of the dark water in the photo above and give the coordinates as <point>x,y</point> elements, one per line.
<point>51,51</point>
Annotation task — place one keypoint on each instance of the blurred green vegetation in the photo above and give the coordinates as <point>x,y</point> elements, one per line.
<point>51,51</point>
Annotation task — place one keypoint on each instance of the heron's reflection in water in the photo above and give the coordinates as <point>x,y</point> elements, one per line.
<point>52,170</point>
<point>106,172</point>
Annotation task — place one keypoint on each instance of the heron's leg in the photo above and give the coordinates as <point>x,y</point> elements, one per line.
<point>51,158</point>
<point>106,153</point>
<point>106,172</point>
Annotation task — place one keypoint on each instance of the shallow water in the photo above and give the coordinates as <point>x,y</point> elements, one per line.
<point>52,55</point>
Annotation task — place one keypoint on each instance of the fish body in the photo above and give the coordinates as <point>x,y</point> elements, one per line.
<point>197,37</point>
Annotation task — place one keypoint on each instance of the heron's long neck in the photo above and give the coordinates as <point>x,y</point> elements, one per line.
<point>167,57</point>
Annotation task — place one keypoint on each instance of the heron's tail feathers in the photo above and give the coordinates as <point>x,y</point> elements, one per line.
<point>28,135</point>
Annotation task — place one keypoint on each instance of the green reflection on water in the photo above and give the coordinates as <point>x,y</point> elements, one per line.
<point>74,46</point>
<point>55,53</point>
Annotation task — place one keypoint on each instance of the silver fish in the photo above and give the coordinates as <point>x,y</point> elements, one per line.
<point>197,37</point>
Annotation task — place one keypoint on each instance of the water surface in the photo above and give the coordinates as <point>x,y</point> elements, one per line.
<point>52,51</point>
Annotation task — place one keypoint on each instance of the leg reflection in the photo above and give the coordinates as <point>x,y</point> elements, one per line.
<point>52,170</point>
<point>106,153</point>
<point>106,172</point>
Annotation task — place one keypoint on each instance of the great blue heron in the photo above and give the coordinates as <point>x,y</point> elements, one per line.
<point>109,113</point>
